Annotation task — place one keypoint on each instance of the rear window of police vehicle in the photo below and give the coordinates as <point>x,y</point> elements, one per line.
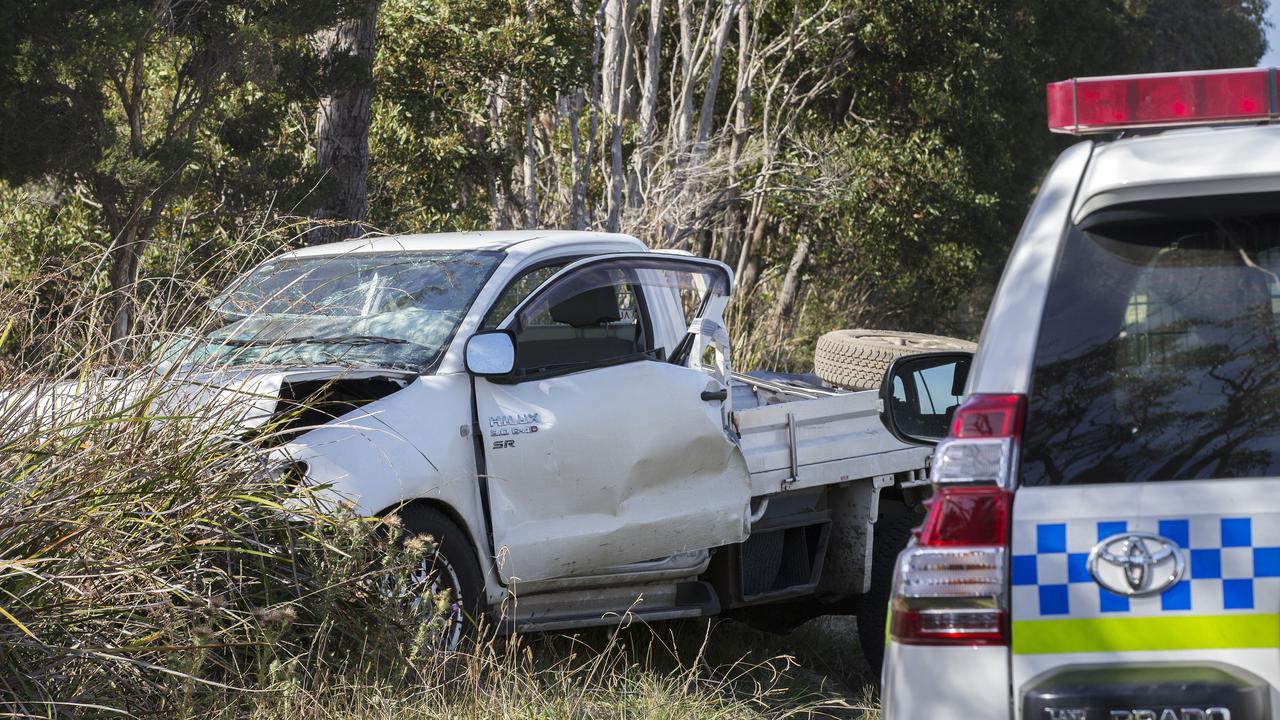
<point>1157,357</point>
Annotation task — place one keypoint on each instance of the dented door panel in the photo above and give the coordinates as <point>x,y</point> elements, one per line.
<point>607,467</point>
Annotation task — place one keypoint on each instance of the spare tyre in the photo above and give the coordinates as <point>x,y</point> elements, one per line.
<point>857,359</point>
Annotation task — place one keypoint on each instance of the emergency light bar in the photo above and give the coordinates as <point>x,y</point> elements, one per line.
<point>1082,106</point>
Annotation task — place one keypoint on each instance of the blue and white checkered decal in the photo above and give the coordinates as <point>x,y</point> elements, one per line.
<point>1228,568</point>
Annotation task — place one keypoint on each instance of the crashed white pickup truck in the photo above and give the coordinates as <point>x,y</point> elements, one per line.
<point>558,411</point>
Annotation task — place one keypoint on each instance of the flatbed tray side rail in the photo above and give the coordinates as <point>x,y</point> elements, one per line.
<point>821,441</point>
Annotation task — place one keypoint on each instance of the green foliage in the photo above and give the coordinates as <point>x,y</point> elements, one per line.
<point>118,93</point>
<point>933,129</point>
<point>42,231</point>
<point>136,103</point>
<point>443,68</point>
<point>939,118</point>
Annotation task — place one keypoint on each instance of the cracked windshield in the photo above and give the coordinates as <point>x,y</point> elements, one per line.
<point>383,310</point>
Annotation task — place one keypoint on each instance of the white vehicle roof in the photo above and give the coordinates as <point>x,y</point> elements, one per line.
<point>1193,162</point>
<point>516,243</point>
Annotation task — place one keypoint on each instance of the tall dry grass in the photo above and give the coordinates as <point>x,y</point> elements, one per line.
<point>148,556</point>
<point>152,565</point>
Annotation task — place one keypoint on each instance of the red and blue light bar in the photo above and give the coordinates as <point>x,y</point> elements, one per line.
<point>1082,106</point>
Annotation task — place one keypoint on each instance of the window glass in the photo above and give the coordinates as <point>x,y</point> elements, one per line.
<point>519,290</point>
<point>1157,357</point>
<point>594,318</point>
<point>935,389</point>
<point>610,312</point>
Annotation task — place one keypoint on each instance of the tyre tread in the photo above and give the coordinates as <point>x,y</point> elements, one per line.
<point>856,359</point>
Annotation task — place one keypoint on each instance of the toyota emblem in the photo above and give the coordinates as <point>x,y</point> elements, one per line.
<point>1136,564</point>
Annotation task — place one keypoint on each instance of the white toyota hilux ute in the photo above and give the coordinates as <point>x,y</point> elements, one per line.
<point>557,409</point>
<point>1103,541</point>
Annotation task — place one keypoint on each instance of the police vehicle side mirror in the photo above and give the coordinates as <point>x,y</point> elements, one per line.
<point>491,353</point>
<point>920,393</point>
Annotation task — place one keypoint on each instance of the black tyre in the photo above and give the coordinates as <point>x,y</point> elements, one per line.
<point>857,359</point>
<point>892,533</point>
<point>452,569</point>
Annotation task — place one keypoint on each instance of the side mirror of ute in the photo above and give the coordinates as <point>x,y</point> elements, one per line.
<point>491,353</point>
<point>920,394</point>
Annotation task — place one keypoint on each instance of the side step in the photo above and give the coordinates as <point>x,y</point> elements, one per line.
<point>574,609</point>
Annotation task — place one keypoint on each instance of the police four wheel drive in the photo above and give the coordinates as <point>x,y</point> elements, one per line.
<point>1104,538</point>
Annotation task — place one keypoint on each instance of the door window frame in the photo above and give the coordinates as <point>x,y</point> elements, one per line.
<point>487,322</point>
<point>641,308</point>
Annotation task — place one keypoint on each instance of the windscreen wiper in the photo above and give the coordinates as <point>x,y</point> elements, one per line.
<point>317,340</point>
<point>350,340</point>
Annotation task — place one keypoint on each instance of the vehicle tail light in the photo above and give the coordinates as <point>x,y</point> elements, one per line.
<point>983,443</point>
<point>967,516</point>
<point>1106,104</point>
<point>951,587</point>
<point>988,416</point>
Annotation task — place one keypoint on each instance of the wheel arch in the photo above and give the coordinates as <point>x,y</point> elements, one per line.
<point>441,506</point>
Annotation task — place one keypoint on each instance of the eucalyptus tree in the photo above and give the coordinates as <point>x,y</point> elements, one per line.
<point>134,103</point>
<point>347,51</point>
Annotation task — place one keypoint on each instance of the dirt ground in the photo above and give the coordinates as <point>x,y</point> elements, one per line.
<point>828,659</point>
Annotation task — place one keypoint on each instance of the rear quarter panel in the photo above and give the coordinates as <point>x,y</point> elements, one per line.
<point>945,683</point>
<point>938,683</point>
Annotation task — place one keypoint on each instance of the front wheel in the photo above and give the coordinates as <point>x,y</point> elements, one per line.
<point>450,575</point>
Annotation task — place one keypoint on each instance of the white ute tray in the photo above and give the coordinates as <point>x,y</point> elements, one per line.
<point>837,438</point>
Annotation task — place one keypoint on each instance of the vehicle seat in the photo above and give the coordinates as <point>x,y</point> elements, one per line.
<point>1203,304</point>
<point>584,328</point>
<point>589,308</point>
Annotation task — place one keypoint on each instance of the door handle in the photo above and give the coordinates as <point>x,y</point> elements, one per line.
<point>715,395</point>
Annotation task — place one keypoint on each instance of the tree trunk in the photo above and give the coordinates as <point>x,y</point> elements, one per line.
<point>737,220</point>
<point>615,54</point>
<point>342,127</point>
<point>748,271</point>
<point>131,222</point>
<point>648,107</point>
<point>707,112</point>
<point>578,184</point>
<point>583,175</point>
<point>500,198</point>
<point>786,300</point>
<point>530,176</point>
<point>682,124</point>
<point>615,82</point>
<point>126,256</point>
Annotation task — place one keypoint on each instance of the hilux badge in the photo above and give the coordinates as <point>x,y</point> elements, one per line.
<point>1136,563</point>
